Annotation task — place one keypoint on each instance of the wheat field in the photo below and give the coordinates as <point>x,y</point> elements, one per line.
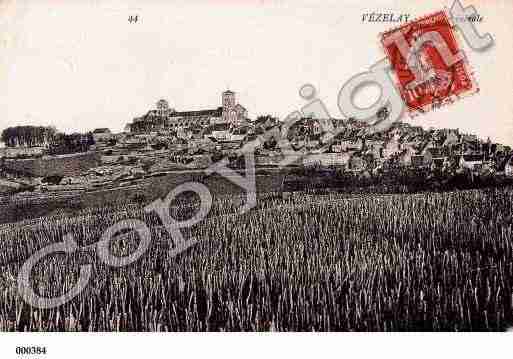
<point>405,262</point>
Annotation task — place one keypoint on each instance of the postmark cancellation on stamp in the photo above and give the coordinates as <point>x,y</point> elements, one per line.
<point>430,69</point>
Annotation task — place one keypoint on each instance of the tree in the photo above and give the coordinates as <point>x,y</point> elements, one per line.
<point>70,143</point>
<point>6,137</point>
<point>27,136</point>
<point>90,139</point>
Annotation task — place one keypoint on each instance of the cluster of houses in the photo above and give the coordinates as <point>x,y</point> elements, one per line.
<point>165,140</point>
<point>353,148</point>
<point>412,146</point>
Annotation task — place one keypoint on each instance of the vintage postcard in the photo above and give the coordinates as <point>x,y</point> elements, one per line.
<point>261,166</point>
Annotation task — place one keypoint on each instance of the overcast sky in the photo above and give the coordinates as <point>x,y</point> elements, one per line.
<point>80,64</point>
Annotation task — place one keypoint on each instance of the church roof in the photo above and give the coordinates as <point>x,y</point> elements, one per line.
<point>216,113</point>
<point>101,130</point>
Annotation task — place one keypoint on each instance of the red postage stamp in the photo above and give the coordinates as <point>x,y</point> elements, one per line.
<point>430,69</point>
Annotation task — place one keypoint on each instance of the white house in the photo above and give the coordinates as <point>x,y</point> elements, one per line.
<point>472,162</point>
<point>325,159</point>
<point>434,154</point>
<point>405,156</point>
<point>102,134</point>
<point>221,131</point>
<point>347,145</point>
<point>441,163</point>
<point>238,134</point>
<point>508,170</point>
<point>391,147</point>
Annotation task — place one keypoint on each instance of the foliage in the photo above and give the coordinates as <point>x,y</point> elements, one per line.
<point>71,143</point>
<point>28,136</point>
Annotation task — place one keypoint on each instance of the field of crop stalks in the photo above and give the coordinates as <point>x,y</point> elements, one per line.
<point>429,262</point>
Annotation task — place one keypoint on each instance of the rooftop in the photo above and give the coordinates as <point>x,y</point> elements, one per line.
<point>101,130</point>
<point>473,158</point>
<point>215,112</point>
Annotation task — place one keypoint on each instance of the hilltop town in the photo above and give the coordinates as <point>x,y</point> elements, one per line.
<point>164,140</point>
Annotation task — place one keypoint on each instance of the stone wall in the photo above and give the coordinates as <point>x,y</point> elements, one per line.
<point>13,152</point>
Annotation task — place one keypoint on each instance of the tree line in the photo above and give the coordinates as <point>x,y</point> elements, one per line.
<point>28,136</point>
<point>56,142</point>
<point>71,143</point>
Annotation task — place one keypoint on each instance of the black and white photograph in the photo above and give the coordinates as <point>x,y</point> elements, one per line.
<point>247,176</point>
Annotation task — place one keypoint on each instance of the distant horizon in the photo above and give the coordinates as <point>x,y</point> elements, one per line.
<point>2,145</point>
<point>80,66</point>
